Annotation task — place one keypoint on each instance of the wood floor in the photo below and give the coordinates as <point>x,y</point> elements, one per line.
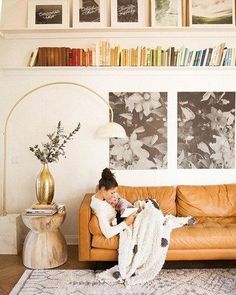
<point>11,267</point>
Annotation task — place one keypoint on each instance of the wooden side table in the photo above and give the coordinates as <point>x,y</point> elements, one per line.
<point>44,246</point>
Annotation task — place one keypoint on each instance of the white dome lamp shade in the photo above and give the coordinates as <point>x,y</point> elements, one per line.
<point>111,129</point>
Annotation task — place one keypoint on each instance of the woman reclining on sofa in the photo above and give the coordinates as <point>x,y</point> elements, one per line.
<point>142,247</point>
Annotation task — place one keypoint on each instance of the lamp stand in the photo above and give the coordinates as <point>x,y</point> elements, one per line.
<point>10,224</point>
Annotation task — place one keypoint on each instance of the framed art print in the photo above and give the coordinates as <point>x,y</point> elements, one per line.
<point>127,13</point>
<point>206,130</point>
<point>48,14</point>
<point>144,118</point>
<point>166,13</point>
<point>89,13</point>
<point>211,13</point>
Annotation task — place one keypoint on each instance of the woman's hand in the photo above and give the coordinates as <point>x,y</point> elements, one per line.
<point>130,219</point>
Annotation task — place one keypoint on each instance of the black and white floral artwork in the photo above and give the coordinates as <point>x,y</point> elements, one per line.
<point>48,14</point>
<point>127,11</point>
<point>206,130</point>
<point>144,117</point>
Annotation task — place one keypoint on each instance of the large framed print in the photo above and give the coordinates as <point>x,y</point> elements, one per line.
<point>166,13</point>
<point>89,13</point>
<point>211,13</point>
<point>206,130</point>
<point>127,13</point>
<point>144,118</point>
<point>48,14</point>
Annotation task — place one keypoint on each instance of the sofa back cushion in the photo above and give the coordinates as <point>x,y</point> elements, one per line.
<point>209,200</point>
<point>164,195</point>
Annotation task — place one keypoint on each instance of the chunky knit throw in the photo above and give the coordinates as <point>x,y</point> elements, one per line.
<point>143,246</point>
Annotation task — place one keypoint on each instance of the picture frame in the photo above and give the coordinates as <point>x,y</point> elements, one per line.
<point>89,14</point>
<point>146,144</point>
<point>199,144</point>
<point>48,14</point>
<point>127,13</point>
<point>202,16</point>
<point>163,15</point>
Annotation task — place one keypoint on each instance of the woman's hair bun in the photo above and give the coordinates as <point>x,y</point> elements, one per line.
<point>108,180</point>
<point>107,174</point>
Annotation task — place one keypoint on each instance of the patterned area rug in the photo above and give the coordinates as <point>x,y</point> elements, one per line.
<point>171,282</point>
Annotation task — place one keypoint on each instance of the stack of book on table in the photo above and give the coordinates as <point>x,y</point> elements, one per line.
<point>42,209</point>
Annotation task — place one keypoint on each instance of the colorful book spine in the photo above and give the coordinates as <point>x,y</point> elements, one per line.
<point>103,54</point>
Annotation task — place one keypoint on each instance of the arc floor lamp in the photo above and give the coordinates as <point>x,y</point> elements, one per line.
<point>108,130</point>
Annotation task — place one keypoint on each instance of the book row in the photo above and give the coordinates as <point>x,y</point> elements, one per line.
<point>102,54</point>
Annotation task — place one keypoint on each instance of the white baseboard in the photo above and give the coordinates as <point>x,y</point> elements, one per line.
<point>71,239</point>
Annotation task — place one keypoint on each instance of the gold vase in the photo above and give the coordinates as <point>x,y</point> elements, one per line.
<point>45,186</point>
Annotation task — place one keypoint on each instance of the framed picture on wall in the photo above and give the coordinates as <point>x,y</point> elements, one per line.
<point>166,13</point>
<point>144,118</point>
<point>48,14</point>
<point>89,13</point>
<point>211,13</point>
<point>206,124</point>
<point>127,13</point>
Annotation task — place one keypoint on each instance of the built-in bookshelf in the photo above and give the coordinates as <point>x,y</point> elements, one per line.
<point>179,44</point>
<point>16,25</point>
<point>104,54</point>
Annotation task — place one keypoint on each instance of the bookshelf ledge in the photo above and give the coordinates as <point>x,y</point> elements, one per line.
<point>18,33</point>
<point>121,68</point>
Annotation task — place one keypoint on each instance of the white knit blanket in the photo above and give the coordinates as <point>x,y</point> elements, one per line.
<point>141,254</point>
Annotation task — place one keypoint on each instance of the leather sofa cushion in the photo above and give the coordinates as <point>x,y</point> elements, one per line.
<point>164,195</point>
<point>99,241</point>
<point>216,221</point>
<point>94,226</point>
<point>198,236</point>
<point>210,200</point>
<point>203,236</point>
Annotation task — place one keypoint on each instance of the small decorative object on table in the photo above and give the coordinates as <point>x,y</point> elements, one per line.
<point>61,209</point>
<point>50,152</point>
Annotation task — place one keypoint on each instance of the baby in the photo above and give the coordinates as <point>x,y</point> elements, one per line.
<point>120,204</point>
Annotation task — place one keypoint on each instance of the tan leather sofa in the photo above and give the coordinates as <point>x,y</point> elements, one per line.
<point>212,237</point>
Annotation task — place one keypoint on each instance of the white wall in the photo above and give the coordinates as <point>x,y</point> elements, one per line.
<point>86,155</point>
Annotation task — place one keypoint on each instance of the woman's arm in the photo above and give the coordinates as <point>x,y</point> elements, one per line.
<point>108,230</point>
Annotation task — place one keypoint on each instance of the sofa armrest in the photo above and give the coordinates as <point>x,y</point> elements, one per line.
<point>84,234</point>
